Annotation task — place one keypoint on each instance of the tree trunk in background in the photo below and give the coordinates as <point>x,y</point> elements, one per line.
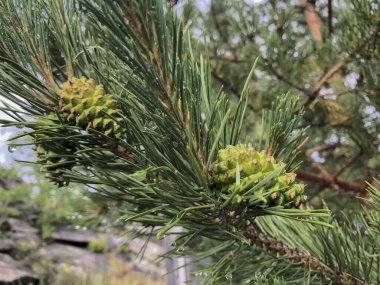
<point>313,19</point>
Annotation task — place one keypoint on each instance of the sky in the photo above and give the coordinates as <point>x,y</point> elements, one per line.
<point>8,153</point>
<point>4,154</point>
<point>5,134</point>
<point>205,5</point>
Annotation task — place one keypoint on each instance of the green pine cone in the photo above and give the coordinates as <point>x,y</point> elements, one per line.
<point>54,158</point>
<point>224,169</point>
<point>254,167</point>
<point>85,105</point>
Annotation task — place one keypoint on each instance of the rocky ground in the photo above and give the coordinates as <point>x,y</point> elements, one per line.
<point>72,257</point>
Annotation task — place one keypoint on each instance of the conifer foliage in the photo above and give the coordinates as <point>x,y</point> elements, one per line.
<point>114,96</point>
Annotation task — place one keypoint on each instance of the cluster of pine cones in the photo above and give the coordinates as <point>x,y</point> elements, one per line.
<point>237,168</point>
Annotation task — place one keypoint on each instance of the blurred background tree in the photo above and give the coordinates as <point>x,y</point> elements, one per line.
<point>327,53</point>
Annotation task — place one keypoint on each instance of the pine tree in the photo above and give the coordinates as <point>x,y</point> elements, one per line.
<point>327,53</point>
<point>114,95</point>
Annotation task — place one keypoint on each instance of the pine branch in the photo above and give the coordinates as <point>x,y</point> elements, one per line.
<point>373,212</point>
<point>319,166</point>
<point>343,249</point>
<point>280,122</point>
<point>162,139</point>
<point>325,77</point>
<point>295,255</point>
<point>155,120</point>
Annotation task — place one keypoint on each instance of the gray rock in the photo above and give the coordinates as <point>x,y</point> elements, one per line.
<point>74,256</point>
<point>82,260</point>
<point>21,236</point>
<point>15,225</point>
<point>6,246</point>
<point>71,236</point>
<point>20,233</point>
<point>6,259</point>
<point>12,274</point>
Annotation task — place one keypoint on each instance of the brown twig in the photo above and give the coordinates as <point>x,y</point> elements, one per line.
<point>228,87</point>
<point>324,147</point>
<point>330,16</point>
<point>225,84</point>
<point>282,78</point>
<point>340,93</point>
<point>319,179</point>
<point>233,58</point>
<point>327,176</point>
<point>346,165</point>
<point>337,67</point>
<point>318,85</point>
<point>296,255</point>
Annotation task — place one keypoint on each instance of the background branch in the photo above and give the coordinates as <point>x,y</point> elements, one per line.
<point>347,164</point>
<point>319,179</point>
<point>337,67</point>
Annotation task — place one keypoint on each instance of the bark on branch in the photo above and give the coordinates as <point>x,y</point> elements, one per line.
<point>327,179</point>
<point>321,180</point>
<point>296,255</point>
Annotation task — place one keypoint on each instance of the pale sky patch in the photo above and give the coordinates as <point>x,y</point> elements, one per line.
<point>4,136</point>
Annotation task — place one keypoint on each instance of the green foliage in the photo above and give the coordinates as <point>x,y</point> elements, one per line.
<point>99,245</point>
<point>151,126</point>
<point>54,158</point>
<point>17,194</point>
<point>372,216</point>
<point>280,125</point>
<point>8,174</point>
<point>58,208</point>
<point>172,161</point>
<point>43,205</point>
<point>9,212</point>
